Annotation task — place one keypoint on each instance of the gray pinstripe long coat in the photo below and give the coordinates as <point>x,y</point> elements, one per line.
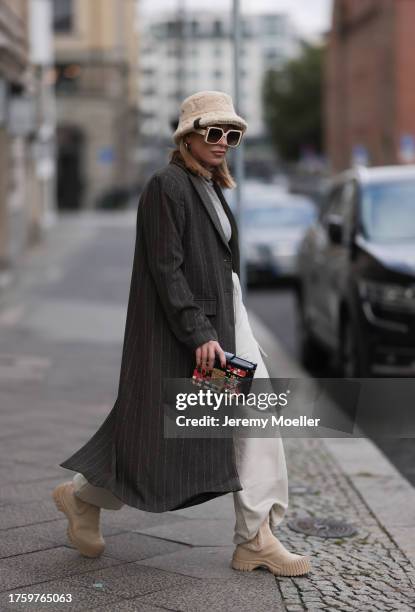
<point>181,295</point>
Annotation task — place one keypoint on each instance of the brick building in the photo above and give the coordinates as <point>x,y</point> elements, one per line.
<point>370,83</point>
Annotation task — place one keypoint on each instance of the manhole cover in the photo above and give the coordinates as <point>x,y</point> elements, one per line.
<point>300,489</point>
<point>322,527</point>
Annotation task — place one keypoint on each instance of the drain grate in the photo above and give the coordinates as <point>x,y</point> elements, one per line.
<point>322,527</point>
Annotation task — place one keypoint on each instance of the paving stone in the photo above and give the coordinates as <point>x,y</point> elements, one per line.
<point>341,569</point>
<point>19,541</point>
<point>25,472</point>
<point>221,507</point>
<point>244,597</point>
<point>132,580</point>
<point>46,565</point>
<point>18,515</point>
<point>131,605</point>
<point>133,546</point>
<point>131,519</point>
<point>196,532</point>
<point>39,536</point>
<point>15,493</point>
<point>207,563</point>
<point>82,598</point>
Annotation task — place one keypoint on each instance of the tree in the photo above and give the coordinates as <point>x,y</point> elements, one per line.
<point>292,98</point>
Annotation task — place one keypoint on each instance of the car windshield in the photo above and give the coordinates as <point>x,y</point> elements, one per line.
<point>388,211</point>
<point>295,216</point>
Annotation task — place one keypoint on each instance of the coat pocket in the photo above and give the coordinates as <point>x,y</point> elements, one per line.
<point>208,305</point>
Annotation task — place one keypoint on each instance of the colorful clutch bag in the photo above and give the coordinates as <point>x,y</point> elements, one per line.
<point>235,377</point>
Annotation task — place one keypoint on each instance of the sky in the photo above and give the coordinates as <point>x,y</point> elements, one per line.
<point>312,17</point>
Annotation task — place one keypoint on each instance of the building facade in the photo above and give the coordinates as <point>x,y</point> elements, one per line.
<point>96,56</point>
<point>370,83</point>
<point>182,54</point>
<point>19,187</point>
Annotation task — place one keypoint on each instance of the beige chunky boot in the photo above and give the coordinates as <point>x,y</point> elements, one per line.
<point>267,551</point>
<point>83,529</point>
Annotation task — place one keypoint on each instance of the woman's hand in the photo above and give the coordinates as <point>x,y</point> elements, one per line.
<point>205,355</point>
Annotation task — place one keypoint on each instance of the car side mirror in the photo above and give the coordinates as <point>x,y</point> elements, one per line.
<point>335,229</point>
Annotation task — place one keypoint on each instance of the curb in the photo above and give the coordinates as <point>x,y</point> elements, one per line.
<point>387,494</point>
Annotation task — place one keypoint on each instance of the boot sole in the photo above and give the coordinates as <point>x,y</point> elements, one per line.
<point>298,568</point>
<point>84,550</point>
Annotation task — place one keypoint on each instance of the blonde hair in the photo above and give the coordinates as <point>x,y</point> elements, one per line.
<point>220,174</point>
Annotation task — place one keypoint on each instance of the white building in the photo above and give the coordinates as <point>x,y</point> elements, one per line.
<point>182,54</point>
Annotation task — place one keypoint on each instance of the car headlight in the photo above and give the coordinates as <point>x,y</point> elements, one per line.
<point>395,297</point>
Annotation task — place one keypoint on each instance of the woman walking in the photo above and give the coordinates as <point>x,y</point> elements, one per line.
<point>185,308</point>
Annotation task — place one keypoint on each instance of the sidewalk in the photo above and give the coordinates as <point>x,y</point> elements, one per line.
<point>61,327</point>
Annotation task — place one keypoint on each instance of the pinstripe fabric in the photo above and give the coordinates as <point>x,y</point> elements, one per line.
<point>181,295</point>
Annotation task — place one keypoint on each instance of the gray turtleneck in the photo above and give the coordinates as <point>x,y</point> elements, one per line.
<point>223,218</point>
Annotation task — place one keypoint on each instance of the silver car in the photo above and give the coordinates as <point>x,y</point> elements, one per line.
<point>273,236</point>
<point>275,222</point>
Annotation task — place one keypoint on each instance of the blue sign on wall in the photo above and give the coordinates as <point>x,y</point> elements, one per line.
<point>360,155</point>
<point>407,148</point>
<point>106,156</point>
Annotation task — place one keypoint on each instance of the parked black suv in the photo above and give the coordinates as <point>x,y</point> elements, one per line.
<point>357,274</point>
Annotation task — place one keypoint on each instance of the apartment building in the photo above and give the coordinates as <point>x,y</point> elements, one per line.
<point>184,53</point>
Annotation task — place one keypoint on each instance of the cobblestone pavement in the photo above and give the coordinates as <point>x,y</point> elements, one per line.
<point>60,347</point>
<point>364,572</point>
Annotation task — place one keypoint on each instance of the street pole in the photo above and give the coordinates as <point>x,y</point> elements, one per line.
<point>239,152</point>
<point>181,51</point>
<point>42,56</point>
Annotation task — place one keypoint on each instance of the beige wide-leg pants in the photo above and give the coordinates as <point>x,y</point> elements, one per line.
<point>260,461</point>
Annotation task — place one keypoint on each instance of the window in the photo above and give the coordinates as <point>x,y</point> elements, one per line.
<point>175,29</point>
<point>272,54</point>
<point>388,210</point>
<point>67,78</point>
<point>62,15</point>
<point>217,28</point>
<point>149,91</point>
<point>272,25</point>
<point>246,28</point>
<point>147,115</point>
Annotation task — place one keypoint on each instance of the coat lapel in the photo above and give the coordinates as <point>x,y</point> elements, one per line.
<point>228,212</point>
<point>208,204</point>
<point>210,209</point>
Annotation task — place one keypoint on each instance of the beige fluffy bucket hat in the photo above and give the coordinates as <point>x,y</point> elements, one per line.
<point>205,108</point>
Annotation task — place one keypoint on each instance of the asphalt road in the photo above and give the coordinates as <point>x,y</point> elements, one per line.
<point>277,309</point>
